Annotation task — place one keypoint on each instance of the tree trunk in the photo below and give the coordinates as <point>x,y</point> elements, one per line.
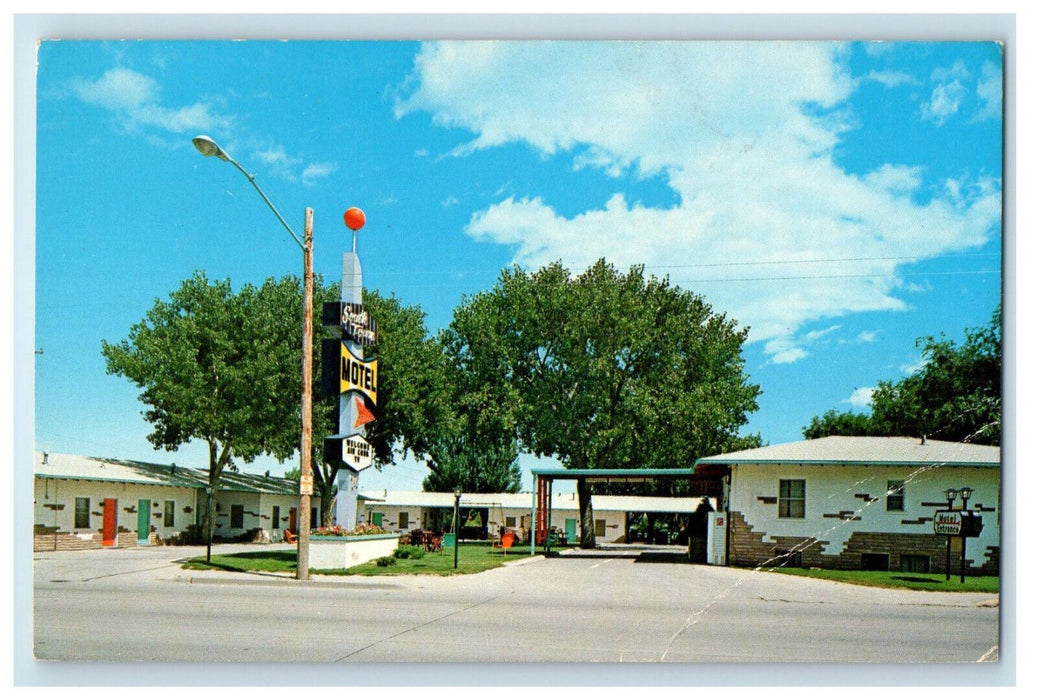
<point>583,492</point>
<point>327,509</point>
<point>324,479</point>
<point>209,521</point>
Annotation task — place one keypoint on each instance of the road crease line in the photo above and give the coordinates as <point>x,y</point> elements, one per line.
<point>417,627</point>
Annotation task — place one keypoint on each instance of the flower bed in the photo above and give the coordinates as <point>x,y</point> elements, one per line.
<point>336,548</point>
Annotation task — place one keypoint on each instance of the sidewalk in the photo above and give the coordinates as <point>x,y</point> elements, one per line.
<point>161,563</point>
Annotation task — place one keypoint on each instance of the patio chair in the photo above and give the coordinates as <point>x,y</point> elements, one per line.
<point>506,541</point>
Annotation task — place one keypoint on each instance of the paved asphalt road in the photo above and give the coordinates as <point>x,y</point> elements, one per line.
<point>612,606</point>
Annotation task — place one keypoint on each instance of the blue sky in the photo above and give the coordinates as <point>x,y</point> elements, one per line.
<point>840,199</point>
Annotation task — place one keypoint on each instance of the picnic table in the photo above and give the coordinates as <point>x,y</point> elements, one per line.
<point>429,540</point>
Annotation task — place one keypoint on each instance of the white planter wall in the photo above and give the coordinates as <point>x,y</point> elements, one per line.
<point>344,552</point>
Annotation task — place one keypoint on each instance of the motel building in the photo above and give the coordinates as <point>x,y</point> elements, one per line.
<point>90,503</point>
<point>834,502</point>
<point>855,503</point>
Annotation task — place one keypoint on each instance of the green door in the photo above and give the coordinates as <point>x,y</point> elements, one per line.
<point>143,520</point>
<point>570,530</point>
<point>376,519</point>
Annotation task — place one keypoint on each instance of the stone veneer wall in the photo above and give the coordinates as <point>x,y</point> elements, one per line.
<point>52,539</point>
<point>747,547</point>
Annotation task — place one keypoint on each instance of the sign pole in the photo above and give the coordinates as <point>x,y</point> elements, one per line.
<point>357,330</point>
<point>963,559</point>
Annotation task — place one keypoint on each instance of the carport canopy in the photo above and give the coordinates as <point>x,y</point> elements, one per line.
<point>546,475</point>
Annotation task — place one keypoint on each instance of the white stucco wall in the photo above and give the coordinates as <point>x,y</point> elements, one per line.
<point>51,493</point>
<point>258,513</point>
<point>831,489</point>
<point>55,507</point>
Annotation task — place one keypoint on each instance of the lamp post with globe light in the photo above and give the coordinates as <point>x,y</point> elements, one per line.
<point>457,529</point>
<point>207,147</point>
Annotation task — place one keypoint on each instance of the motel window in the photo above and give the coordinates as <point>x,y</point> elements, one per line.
<point>404,519</point>
<point>167,514</point>
<point>792,498</point>
<point>509,521</point>
<point>82,512</point>
<point>895,495</point>
<point>599,528</point>
<point>237,516</point>
<point>875,561</point>
<point>914,563</point>
<point>275,518</point>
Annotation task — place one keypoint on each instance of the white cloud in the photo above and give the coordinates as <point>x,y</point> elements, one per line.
<point>944,102</point>
<point>768,227</point>
<point>135,97</point>
<point>861,397</point>
<point>814,336</point>
<point>317,171</point>
<point>948,94</point>
<point>958,71</point>
<point>989,89</point>
<point>784,351</point>
<point>890,78</point>
<point>867,337</point>
<point>913,367</point>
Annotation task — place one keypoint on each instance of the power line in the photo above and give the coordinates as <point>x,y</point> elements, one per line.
<point>742,263</point>
<point>847,276</point>
<point>463,283</point>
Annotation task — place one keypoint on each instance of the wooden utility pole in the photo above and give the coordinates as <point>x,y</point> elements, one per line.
<point>306,446</point>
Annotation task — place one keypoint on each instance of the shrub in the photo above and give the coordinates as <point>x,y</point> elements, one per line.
<point>386,561</point>
<point>339,531</point>
<point>409,551</point>
<point>191,535</point>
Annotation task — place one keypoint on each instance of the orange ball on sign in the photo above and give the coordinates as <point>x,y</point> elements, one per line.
<point>354,218</point>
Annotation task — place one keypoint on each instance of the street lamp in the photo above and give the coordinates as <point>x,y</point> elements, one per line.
<point>207,147</point>
<point>457,530</point>
<point>966,494</point>
<point>966,526</point>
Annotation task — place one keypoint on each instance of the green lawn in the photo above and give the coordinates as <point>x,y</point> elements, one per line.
<point>472,558</point>
<point>277,561</point>
<point>897,579</point>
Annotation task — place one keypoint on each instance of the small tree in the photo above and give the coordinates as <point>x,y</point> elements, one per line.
<point>218,367</point>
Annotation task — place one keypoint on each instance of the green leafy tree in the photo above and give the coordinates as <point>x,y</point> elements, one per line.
<point>956,395</point>
<point>413,395</point>
<point>474,467</point>
<point>604,369</point>
<point>215,366</point>
<point>838,423</point>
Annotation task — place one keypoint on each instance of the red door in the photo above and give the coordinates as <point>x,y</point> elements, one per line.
<point>291,521</point>
<point>108,527</point>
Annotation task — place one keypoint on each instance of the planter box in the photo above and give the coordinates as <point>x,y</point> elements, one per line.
<point>344,552</point>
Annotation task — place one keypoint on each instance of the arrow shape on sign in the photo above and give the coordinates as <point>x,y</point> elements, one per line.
<point>363,416</point>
